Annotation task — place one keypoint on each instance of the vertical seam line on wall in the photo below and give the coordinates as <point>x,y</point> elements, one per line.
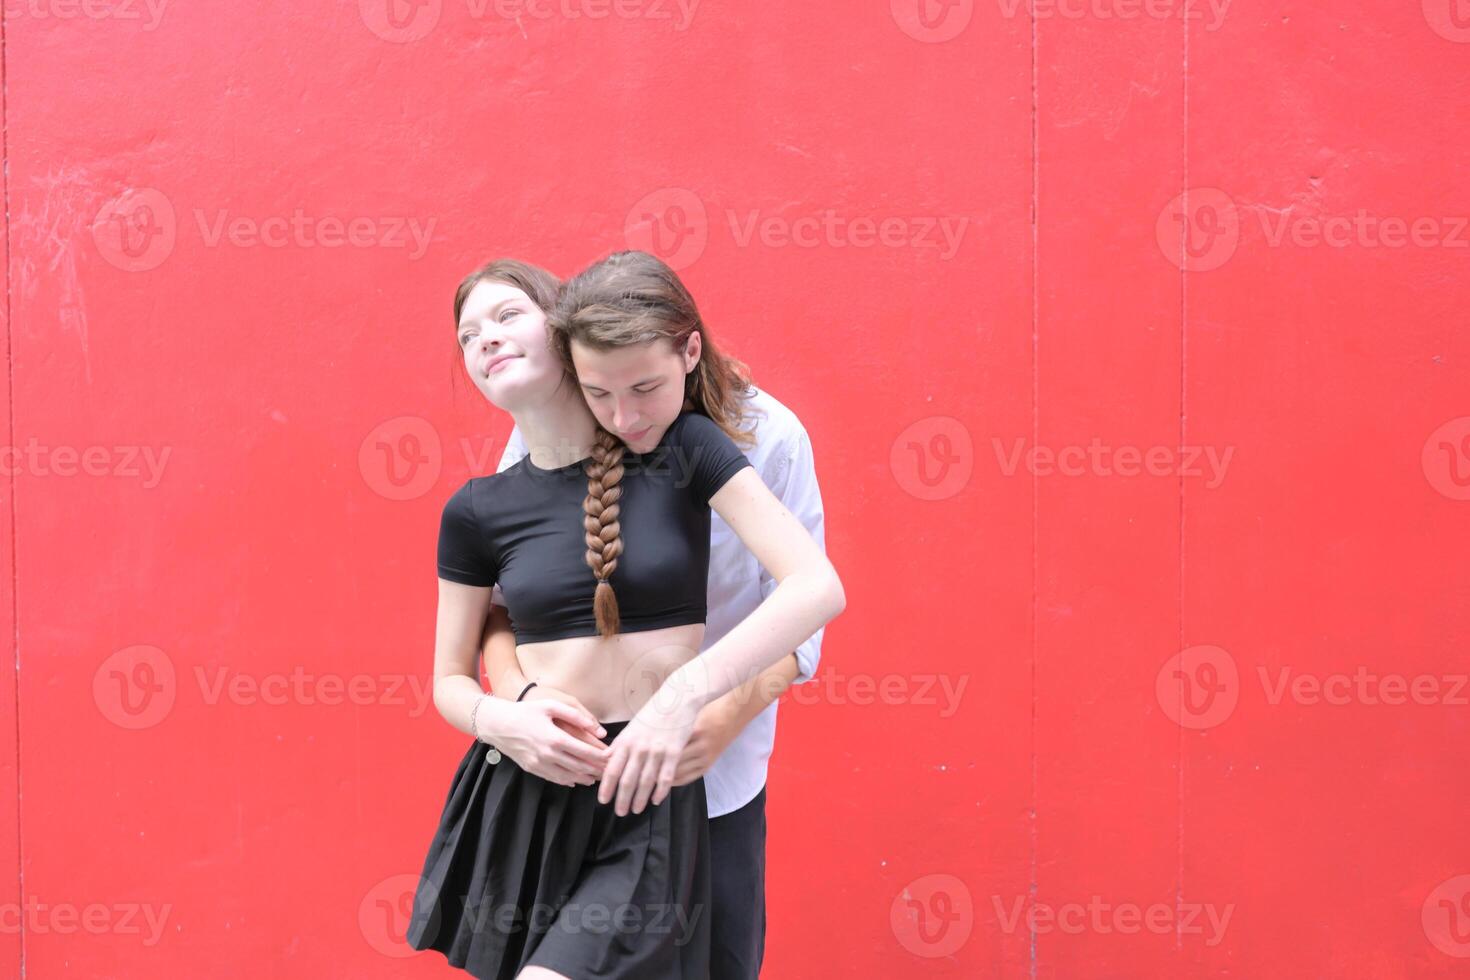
<point>1032,886</point>
<point>1183,415</point>
<point>10,439</point>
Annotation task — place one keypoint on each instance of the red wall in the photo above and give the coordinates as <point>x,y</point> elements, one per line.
<point>1056,693</point>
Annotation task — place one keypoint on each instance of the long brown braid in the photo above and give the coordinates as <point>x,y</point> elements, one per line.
<point>604,535</point>
<point>629,298</point>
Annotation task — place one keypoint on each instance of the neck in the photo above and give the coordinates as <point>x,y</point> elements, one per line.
<point>559,431</point>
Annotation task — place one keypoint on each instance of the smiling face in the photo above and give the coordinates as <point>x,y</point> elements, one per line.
<point>636,392</point>
<point>503,336</point>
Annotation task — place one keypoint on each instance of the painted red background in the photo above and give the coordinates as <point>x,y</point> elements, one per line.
<point>1122,761</point>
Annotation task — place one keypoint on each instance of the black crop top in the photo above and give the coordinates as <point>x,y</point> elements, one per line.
<point>522,528</point>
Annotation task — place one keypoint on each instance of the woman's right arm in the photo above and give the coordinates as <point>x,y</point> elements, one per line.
<point>528,732</point>
<point>462,610</point>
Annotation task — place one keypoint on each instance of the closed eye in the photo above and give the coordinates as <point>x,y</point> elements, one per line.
<point>640,391</point>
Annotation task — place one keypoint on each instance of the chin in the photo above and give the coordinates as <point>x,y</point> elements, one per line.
<point>505,399</point>
<point>510,394</point>
<point>646,443</point>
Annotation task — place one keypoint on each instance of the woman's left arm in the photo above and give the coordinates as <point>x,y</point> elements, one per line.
<point>807,597</point>
<point>808,593</point>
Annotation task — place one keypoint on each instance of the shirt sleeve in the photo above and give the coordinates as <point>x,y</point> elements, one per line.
<point>515,451</point>
<point>709,458</point>
<point>463,555</point>
<point>796,487</point>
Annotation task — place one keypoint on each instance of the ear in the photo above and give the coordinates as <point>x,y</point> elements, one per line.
<point>692,349</point>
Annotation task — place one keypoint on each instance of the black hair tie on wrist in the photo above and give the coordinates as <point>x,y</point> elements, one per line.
<point>527,688</point>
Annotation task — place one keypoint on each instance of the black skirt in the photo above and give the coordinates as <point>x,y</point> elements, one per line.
<point>524,872</point>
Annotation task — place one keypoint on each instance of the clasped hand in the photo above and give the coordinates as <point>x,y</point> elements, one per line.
<point>559,740</point>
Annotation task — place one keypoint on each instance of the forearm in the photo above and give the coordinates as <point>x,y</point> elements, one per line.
<point>507,681</point>
<point>502,667</point>
<point>740,707</point>
<point>802,603</point>
<point>455,698</point>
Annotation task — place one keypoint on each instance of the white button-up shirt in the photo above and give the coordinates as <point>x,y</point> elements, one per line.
<point>782,455</point>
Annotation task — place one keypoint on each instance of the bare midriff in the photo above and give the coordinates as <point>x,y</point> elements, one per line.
<point>614,677</point>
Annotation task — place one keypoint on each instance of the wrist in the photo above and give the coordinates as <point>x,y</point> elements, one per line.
<point>689,688</point>
<point>509,683</point>
<point>488,721</point>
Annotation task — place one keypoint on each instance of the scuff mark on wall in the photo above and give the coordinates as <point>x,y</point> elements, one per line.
<point>51,228</point>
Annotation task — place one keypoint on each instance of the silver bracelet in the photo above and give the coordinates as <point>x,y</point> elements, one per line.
<point>473,711</point>
<point>492,756</point>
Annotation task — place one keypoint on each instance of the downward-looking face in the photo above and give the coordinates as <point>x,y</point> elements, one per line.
<point>504,338</point>
<point>636,392</point>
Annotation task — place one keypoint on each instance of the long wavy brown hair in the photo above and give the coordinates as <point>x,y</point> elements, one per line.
<point>630,298</point>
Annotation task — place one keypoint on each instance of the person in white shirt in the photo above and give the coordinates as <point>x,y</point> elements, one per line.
<point>734,736</point>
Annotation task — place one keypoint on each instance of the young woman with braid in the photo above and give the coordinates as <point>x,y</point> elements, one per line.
<point>565,848</point>
<point>618,303</point>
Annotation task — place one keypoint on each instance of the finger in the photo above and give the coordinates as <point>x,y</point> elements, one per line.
<point>583,708</point>
<point>581,777</point>
<point>647,777</point>
<point>563,776</point>
<point>583,735</point>
<point>692,753</point>
<point>579,771</point>
<point>575,716</point>
<point>578,776</point>
<point>611,773</point>
<point>574,752</point>
<point>628,783</point>
<point>665,784</point>
<point>579,733</point>
<point>553,773</point>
